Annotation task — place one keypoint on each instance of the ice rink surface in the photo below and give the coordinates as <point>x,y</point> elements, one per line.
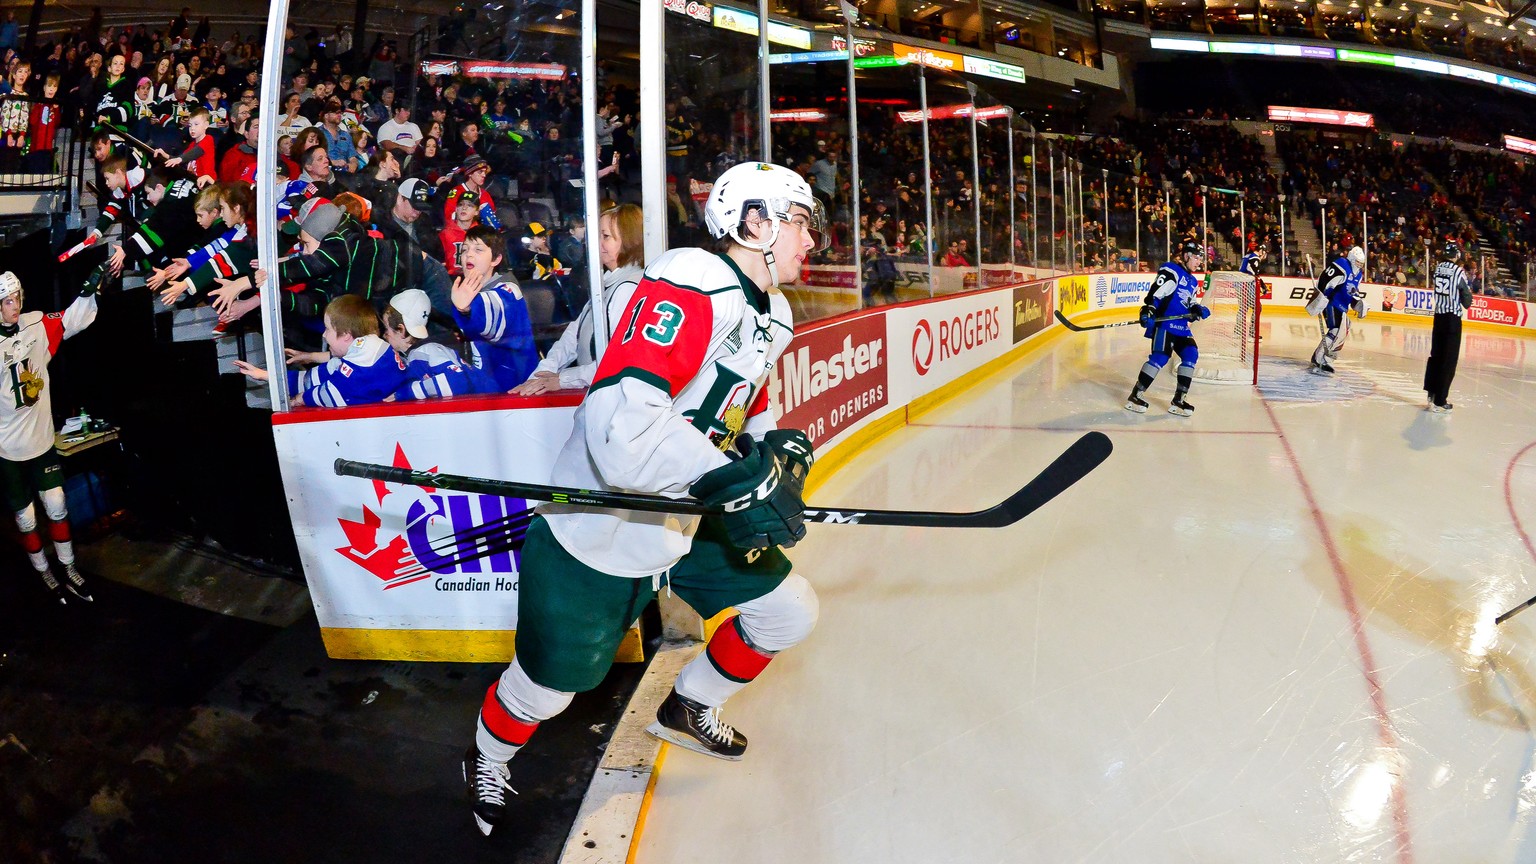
<point>1260,634</point>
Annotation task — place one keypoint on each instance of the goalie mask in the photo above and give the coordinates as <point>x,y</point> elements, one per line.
<point>1357,257</point>
<point>770,190</point>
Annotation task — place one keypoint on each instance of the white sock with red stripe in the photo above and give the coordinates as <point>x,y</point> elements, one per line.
<point>58,525</point>
<point>31,541</point>
<point>58,532</point>
<point>728,664</point>
<point>742,647</point>
<point>513,708</point>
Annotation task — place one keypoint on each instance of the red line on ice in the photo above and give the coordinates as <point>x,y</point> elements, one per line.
<point>1509,500</point>
<point>1386,731</point>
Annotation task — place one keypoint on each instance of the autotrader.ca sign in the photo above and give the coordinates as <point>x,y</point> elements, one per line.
<point>831,377</point>
<point>1498,310</point>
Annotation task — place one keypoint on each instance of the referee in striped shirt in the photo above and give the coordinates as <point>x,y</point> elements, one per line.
<point>1453,293</point>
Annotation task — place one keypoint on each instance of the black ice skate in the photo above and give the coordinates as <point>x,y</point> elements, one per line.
<point>1322,369</point>
<point>1441,409</point>
<point>52,584</point>
<point>1136,403</point>
<point>486,784</point>
<point>686,723</point>
<point>76,583</point>
<point>1180,407</point>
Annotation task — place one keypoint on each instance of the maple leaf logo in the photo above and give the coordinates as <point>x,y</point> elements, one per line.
<point>385,554</point>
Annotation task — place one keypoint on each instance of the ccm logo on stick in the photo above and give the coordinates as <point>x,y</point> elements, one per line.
<point>955,335</point>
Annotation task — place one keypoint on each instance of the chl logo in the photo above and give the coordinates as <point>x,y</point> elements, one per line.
<point>414,528</point>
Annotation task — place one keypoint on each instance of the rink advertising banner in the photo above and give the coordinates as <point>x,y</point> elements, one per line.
<point>934,343</point>
<point>1072,295</point>
<point>1499,310</point>
<point>1031,310</point>
<point>1418,301</point>
<point>831,377</point>
<point>379,555</point>
<point>1128,289</point>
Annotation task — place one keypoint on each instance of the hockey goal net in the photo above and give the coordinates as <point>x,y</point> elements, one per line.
<point>1229,339</point>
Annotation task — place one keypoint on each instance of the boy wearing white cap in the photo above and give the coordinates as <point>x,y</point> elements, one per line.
<point>433,369</point>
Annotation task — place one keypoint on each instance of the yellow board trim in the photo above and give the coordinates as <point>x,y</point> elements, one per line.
<point>645,805</point>
<point>445,646</point>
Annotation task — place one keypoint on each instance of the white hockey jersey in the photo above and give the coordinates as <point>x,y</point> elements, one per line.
<point>683,376</point>
<point>26,400</point>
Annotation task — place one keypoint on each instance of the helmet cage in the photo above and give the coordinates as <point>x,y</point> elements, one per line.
<point>777,210</point>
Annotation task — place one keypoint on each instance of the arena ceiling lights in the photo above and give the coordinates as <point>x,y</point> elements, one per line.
<point>903,54</point>
<point>1327,116</point>
<point>1395,59</point>
<point>1520,145</point>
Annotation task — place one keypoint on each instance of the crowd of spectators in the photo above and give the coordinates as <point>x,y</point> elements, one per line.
<point>389,181</point>
<point>388,175</point>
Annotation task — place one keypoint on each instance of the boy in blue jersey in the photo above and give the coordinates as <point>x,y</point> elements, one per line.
<point>492,313</point>
<point>432,369</point>
<point>1338,290</point>
<point>360,369</point>
<point>1172,295</point>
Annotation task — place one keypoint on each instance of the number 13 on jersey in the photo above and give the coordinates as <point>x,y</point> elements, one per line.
<point>658,325</point>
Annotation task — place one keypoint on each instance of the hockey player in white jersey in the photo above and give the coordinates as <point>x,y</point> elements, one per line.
<point>678,406</point>
<point>29,466</point>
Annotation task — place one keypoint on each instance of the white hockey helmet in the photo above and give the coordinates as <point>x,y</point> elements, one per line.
<point>772,189</point>
<point>1357,257</point>
<point>9,284</point>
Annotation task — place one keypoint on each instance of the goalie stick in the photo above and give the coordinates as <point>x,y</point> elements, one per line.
<point>1075,328</point>
<point>1076,462</point>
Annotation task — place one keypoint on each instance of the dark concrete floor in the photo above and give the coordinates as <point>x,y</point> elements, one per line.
<point>140,729</point>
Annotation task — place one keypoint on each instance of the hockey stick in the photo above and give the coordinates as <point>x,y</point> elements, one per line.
<point>88,242</point>
<point>148,148</point>
<point>1515,611</point>
<point>1075,328</point>
<point>1071,466</point>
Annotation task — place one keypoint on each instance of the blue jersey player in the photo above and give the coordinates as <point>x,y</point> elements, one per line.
<point>1252,260</point>
<point>1338,290</point>
<point>1171,297</point>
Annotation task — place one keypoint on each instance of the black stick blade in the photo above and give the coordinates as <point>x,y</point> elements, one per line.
<point>1068,324</point>
<point>1515,611</point>
<point>1086,454</point>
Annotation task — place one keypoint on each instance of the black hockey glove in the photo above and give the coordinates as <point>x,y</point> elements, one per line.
<point>795,455</point>
<point>1148,312</point>
<point>761,509</point>
<point>1199,313</point>
<point>96,280</point>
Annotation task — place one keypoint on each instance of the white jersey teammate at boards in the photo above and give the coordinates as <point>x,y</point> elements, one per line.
<point>679,407</point>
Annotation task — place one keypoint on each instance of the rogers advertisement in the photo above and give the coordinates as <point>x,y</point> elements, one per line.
<point>832,377</point>
<point>1498,310</point>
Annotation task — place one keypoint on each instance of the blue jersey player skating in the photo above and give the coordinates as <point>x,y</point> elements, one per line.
<point>1338,290</point>
<point>1172,295</point>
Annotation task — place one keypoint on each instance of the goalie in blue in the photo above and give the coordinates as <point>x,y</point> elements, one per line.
<point>1338,291</point>
<point>1172,296</point>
